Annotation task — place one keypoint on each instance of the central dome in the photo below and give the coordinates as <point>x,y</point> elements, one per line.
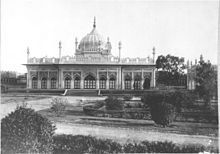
<point>94,42</point>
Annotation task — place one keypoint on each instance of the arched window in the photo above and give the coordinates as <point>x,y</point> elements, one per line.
<point>89,82</point>
<point>34,83</point>
<point>77,83</point>
<point>43,83</point>
<point>137,83</point>
<point>127,82</point>
<point>102,83</point>
<point>67,83</point>
<point>53,83</point>
<point>112,83</point>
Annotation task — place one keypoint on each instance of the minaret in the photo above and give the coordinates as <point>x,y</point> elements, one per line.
<point>60,50</point>
<point>28,53</point>
<point>94,24</point>
<point>153,54</point>
<point>76,43</point>
<point>119,47</point>
<point>201,58</point>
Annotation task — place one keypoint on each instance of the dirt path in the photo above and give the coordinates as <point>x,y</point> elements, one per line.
<point>123,135</point>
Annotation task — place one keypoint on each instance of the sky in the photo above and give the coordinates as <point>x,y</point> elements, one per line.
<point>180,28</point>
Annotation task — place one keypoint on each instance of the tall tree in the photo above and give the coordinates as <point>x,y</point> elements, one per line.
<point>170,63</point>
<point>206,81</point>
<point>171,69</point>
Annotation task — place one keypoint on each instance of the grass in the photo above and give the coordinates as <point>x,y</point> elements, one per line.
<point>75,114</point>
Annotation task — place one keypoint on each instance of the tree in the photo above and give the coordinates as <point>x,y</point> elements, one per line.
<point>171,69</point>
<point>206,81</point>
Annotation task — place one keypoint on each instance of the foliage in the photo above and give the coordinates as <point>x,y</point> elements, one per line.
<point>127,97</point>
<point>162,111</point>
<point>206,79</point>
<point>26,131</point>
<point>171,70</point>
<point>58,105</point>
<point>113,103</point>
<point>88,144</point>
<point>170,63</point>
<point>84,144</point>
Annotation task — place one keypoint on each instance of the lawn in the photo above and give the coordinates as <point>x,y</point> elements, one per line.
<point>74,121</point>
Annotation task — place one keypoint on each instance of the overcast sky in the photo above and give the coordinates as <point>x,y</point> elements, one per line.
<point>181,28</point>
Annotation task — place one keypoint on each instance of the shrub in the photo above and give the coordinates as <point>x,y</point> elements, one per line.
<point>113,103</point>
<point>58,105</point>
<point>26,131</point>
<point>88,144</point>
<point>84,144</point>
<point>127,97</point>
<point>162,112</point>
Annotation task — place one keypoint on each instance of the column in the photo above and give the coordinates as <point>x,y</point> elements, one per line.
<point>38,83</point>
<point>154,80</point>
<point>28,82</point>
<point>48,83</point>
<point>72,84</point>
<point>122,80</point>
<point>61,79</point>
<point>81,80</point>
<point>132,80</point>
<point>142,79</point>
<point>97,79</point>
<point>107,80</point>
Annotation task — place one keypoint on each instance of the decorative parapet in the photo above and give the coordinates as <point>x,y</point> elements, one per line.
<point>91,60</point>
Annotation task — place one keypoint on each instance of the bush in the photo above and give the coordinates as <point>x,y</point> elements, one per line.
<point>127,97</point>
<point>58,105</point>
<point>88,144</point>
<point>26,131</point>
<point>162,111</point>
<point>113,103</point>
<point>84,144</point>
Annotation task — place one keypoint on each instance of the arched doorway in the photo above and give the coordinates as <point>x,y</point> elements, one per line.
<point>89,82</point>
<point>102,82</point>
<point>146,83</point>
<point>67,83</point>
<point>77,82</point>
<point>43,83</point>
<point>34,83</point>
<point>53,83</point>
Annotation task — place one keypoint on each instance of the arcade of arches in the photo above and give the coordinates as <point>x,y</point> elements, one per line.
<point>94,78</point>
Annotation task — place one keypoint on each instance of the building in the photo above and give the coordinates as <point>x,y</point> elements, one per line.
<point>92,67</point>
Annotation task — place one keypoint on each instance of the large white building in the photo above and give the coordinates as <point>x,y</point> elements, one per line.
<point>92,67</point>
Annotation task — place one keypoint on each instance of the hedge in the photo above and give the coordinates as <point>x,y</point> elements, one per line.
<point>88,144</point>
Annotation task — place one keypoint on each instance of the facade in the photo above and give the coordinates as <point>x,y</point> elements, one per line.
<point>92,67</point>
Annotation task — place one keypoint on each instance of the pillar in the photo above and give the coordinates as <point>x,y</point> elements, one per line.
<point>154,78</point>
<point>72,83</point>
<point>122,80</point>
<point>48,83</point>
<point>81,83</point>
<point>132,80</point>
<point>107,80</point>
<point>142,79</point>
<point>97,79</point>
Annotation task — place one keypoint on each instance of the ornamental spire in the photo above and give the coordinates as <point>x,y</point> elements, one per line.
<point>94,24</point>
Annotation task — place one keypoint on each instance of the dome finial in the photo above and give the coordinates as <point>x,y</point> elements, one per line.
<point>94,24</point>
